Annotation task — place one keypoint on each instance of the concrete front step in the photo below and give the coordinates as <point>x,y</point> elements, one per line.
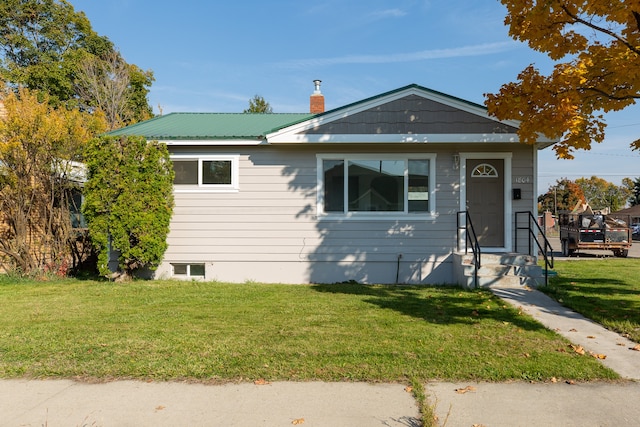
<point>503,270</point>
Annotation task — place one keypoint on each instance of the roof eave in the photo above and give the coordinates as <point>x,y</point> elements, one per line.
<point>211,141</point>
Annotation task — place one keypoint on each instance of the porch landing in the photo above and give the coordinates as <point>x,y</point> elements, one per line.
<point>504,270</point>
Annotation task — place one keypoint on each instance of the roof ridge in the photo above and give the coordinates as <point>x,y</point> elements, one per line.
<point>233,113</point>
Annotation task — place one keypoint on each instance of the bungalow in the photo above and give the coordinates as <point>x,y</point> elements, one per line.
<point>370,192</point>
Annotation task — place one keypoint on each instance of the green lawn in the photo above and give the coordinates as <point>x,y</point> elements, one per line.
<point>165,330</point>
<point>605,290</point>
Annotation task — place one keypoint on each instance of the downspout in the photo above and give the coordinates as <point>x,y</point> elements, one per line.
<point>398,268</point>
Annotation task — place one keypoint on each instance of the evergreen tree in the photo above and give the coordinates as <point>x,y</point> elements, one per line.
<point>128,201</point>
<point>258,105</point>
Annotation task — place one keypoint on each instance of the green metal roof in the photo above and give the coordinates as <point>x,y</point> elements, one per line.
<point>211,126</point>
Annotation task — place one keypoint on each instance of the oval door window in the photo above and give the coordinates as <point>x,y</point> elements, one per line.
<point>484,170</point>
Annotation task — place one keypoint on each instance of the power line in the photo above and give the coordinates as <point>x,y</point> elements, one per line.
<point>624,175</point>
<point>611,154</point>
<point>623,126</point>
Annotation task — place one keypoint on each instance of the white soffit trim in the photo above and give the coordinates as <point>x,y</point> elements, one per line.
<point>210,142</point>
<point>395,138</point>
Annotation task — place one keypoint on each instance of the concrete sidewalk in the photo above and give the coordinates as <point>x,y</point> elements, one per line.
<point>537,405</point>
<point>63,403</point>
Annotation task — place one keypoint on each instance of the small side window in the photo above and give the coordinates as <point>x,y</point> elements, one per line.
<point>206,173</point>
<point>186,172</point>
<point>180,269</point>
<point>188,270</point>
<point>196,270</point>
<point>216,172</point>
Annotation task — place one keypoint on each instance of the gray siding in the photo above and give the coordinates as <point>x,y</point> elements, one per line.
<point>269,231</point>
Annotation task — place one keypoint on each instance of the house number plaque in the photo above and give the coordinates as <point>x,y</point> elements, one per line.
<point>522,179</point>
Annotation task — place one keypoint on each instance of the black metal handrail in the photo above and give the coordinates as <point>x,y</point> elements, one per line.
<point>547,250</point>
<point>472,240</point>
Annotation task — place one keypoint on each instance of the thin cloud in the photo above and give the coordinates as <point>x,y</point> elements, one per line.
<point>389,13</point>
<point>458,52</point>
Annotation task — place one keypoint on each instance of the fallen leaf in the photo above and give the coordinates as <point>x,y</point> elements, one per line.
<point>573,330</point>
<point>261,381</point>
<point>636,348</point>
<point>159,408</point>
<point>408,389</point>
<point>577,348</point>
<point>570,382</point>
<point>297,421</point>
<point>591,337</point>
<point>527,355</point>
<point>465,390</point>
<point>598,356</point>
<point>554,380</point>
<point>621,344</point>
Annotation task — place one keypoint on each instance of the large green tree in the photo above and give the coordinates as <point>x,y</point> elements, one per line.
<point>601,193</point>
<point>43,46</point>
<point>597,46</point>
<point>128,201</point>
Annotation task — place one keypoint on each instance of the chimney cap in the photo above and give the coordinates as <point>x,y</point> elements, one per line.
<point>317,82</point>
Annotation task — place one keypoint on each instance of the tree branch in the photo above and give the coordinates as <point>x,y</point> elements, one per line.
<point>608,95</point>
<point>604,30</point>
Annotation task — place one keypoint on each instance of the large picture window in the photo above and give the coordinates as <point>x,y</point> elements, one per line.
<point>356,184</point>
<point>205,173</point>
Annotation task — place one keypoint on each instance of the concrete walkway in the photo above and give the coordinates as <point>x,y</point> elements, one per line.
<point>576,328</point>
<point>53,403</point>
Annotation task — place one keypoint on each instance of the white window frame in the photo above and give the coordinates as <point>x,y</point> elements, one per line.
<point>378,215</point>
<point>213,188</point>
<point>188,265</point>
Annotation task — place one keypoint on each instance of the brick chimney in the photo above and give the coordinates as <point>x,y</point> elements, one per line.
<point>316,100</point>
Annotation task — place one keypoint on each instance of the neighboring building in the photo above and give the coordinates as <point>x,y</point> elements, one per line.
<point>633,212</point>
<point>546,220</point>
<point>368,192</point>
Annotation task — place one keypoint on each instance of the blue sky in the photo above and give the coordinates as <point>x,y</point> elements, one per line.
<point>214,56</point>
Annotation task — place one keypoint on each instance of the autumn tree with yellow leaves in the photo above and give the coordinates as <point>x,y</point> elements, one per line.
<point>597,44</point>
<point>40,150</point>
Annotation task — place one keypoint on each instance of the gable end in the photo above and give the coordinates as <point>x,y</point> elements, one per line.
<point>412,114</point>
